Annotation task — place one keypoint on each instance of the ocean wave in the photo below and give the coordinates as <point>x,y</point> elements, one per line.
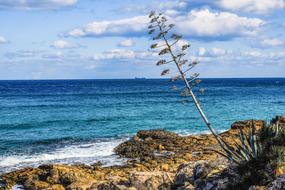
<point>82,153</point>
<point>202,132</point>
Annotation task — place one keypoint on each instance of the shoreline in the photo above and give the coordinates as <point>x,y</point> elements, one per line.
<point>110,158</point>
<point>155,158</point>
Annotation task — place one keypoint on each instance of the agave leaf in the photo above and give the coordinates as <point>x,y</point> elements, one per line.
<point>227,148</point>
<point>202,90</point>
<point>182,62</point>
<point>175,78</point>
<point>151,14</point>
<point>174,87</point>
<point>151,31</point>
<point>254,140</point>
<point>157,37</point>
<point>153,20</point>
<point>165,72</point>
<point>193,63</point>
<point>185,92</point>
<point>228,156</point>
<point>243,154</point>
<point>161,62</point>
<point>164,51</point>
<point>242,140</point>
<point>184,47</point>
<point>180,55</point>
<point>171,25</point>
<point>176,36</point>
<point>153,46</point>
<point>195,75</point>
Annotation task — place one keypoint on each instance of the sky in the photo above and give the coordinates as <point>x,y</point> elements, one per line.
<point>94,39</point>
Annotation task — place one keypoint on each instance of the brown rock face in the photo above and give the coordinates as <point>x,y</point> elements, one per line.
<point>151,180</point>
<point>247,123</point>
<point>53,176</point>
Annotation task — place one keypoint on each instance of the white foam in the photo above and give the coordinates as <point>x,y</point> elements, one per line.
<point>84,153</point>
<point>204,132</point>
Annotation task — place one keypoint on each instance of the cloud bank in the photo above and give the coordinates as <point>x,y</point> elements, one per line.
<point>200,23</point>
<point>36,4</point>
<point>257,6</point>
<point>3,40</point>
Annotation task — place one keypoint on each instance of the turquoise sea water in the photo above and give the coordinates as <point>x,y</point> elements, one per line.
<point>69,121</point>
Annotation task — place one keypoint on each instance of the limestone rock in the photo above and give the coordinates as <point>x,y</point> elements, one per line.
<point>184,174</point>
<point>245,124</point>
<point>278,184</point>
<point>150,180</point>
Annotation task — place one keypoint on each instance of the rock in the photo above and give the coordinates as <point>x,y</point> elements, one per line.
<point>136,138</point>
<point>165,167</point>
<point>56,187</point>
<point>187,186</point>
<point>156,134</point>
<point>112,186</point>
<point>255,187</point>
<point>247,123</point>
<point>201,170</point>
<point>70,177</point>
<point>184,174</point>
<point>278,184</point>
<point>150,180</point>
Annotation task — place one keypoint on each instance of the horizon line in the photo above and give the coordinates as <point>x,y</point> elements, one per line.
<point>138,78</point>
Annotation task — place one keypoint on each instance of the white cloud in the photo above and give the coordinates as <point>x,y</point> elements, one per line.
<point>213,52</point>
<point>127,43</point>
<point>62,44</point>
<point>269,56</point>
<point>172,7</point>
<point>204,23</point>
<point>258,6</point>
<point>202,51</point>
<point>123,54</point>
<point>135,25</point>
<point>36,4</point>
<point>171,12</point>
<point>238,56</point>
<point>197,24</point>
<point>115,54</point>
<point>77,32</point>
<point>3,40</point>
<point>23,54</point>
<point>177,4</point>
<point>55,55</point>
<point>271,42</point>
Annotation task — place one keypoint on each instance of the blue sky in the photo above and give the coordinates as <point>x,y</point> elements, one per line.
<point>71,39</point>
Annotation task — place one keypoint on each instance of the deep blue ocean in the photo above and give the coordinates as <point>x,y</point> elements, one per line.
<point>71,121</point>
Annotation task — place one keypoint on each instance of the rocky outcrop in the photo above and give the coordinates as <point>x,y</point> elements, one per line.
<point>158,159</point>
<point>242,124</point>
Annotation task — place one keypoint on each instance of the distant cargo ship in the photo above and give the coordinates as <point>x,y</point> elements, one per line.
<point>140,78</point>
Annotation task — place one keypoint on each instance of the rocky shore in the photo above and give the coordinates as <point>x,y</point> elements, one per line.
<point>157,159</point>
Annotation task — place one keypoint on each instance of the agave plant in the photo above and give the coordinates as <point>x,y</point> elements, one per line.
<point>275,130</point>
<point>166,44</point>
<point>248,148</point>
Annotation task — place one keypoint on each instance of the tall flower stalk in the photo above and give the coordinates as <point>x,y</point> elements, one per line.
<point>167,44</point>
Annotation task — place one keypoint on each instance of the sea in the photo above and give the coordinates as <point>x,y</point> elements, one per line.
<point>81,121</point>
